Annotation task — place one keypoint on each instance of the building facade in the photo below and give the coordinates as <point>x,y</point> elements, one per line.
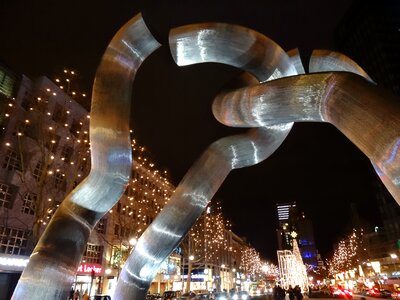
<point>44,152</point>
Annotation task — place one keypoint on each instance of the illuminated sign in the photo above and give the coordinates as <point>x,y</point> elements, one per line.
<point>89,268</point>
<point>13,262</point>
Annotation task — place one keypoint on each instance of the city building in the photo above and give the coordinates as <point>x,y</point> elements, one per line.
<point>45,153</point>
<point>212,255</point>
<point>284,211</point>
<point>294,225</point>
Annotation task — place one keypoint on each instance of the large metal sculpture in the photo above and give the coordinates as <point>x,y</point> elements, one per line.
<point>366,115</point>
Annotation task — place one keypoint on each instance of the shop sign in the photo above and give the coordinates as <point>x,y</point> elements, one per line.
<point>90,269</point>
<point>13,262</point>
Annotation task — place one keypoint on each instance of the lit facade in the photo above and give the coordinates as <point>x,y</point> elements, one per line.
<point>44,153</point>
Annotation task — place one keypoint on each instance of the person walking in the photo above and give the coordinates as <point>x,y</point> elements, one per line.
<point>85,296</point>
<point>297,293</point>
<point>77,295</point>
<point>290,292</point>
<point>71,294</point>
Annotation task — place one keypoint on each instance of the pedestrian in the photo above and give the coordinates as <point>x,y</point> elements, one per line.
<point>77,295</point>
<point>281,293</point>
<point>275,293</point>
<point>290,293</point>
<point>71,294</point>
<point>297,292</point>
<point>85,296</point>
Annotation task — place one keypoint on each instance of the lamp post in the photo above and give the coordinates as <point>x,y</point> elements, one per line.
<point>394,257</point>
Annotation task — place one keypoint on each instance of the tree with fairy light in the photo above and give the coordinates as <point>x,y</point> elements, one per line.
<point>205,242</point>
<point>251,263</point>
<point>145,196</point>
<point>47,153</point>
<point>348,253</point>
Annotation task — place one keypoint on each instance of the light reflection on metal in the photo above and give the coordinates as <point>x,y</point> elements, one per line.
<point>367,115</point>
<point>327,60</point>
<point>295,58</point>
<point>271,107</point>
<point>54,261</point>
<point>235,46</point>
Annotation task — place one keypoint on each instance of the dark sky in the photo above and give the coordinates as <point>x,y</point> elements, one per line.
<point>316,166</point>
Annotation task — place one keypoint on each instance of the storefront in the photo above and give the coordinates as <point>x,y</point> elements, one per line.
<point>11,267</point>
<point>89,277</point>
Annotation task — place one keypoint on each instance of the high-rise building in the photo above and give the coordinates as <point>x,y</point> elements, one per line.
<point>285,212</point>
<point>294,225</point>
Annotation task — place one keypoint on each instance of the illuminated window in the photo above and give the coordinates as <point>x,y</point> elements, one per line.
<point>12,161</point>
<point>28,203</point>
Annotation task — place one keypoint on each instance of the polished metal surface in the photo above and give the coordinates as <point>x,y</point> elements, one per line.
<point>327,60</point>
<point>367,115</point>
<point>235,46</point>
<point>295,58</point>
<point>54,261</point>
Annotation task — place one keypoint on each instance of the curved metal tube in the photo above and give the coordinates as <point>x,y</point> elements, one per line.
<point>327,60</point>
<point>367,115</point>
<point>236,46</point>
<point>295,58</point>
<point>53,263</point>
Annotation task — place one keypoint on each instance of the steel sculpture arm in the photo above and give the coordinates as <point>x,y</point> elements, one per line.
<point>367,115</point>
<point>53,263</point>
<point>211,42</point>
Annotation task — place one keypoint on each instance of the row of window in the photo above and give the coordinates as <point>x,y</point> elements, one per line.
<point>59,114</point>
<point>93,254</point>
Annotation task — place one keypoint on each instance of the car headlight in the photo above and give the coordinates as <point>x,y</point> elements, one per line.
<point>235,297</point>
<point>244,297</point>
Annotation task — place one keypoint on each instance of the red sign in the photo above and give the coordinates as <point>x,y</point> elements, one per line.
<point>89,268</point>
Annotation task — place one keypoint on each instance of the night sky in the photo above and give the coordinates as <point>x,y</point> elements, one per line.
<point>316,166</point>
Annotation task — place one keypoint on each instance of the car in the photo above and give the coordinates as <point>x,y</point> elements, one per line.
<point>342,293</point>
<point>379,293</point>
<point>203,296</point>
<point>396,294</point>
<point>221,296</point>
<point>242,295</point>
<point>188,296</point>
<point>102,297</point>
<point>155,296</point>
<point>172,295</point>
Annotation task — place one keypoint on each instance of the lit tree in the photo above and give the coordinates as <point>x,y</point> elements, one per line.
<point>206,240</point>
<point>251,263</point>
<point>47,146</point>
<point>348,254</point>
<point>145,196</point>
